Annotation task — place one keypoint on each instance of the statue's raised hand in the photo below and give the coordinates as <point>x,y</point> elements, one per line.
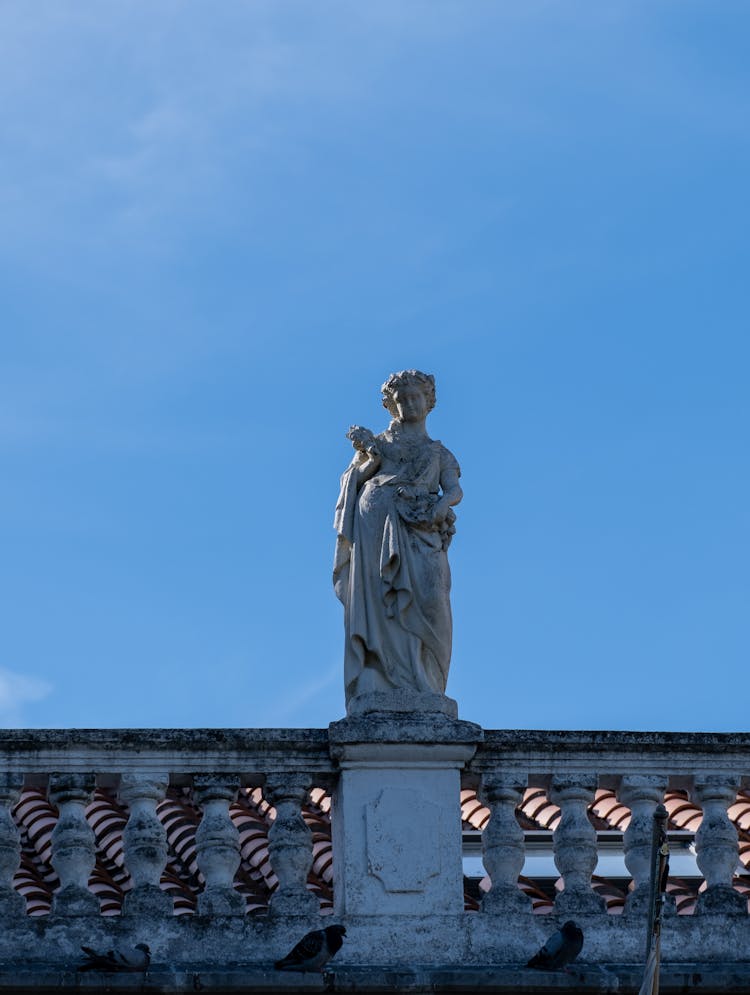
<point>363,440</point>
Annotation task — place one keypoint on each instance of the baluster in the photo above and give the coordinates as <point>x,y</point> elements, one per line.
<point>503,844</point>
<point>11,903</point>
<point>716,845</point>
<point>574,843</point>
<point>290,845</point>
<point>217,841</point>
<point>73,844</point>
<point>641,793</point>
<point>144,844</point>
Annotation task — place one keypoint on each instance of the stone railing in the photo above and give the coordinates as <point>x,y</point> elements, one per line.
<point>218,849</point>
<point>638,768</point>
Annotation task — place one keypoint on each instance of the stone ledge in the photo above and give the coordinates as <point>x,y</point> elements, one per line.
<point>585,979</point>
<point>476,941</point>
<point>610,754</point>
<point>251,752</point>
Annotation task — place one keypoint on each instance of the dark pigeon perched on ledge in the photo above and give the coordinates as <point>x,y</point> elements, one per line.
<point>135,958</point>
<point>560,949</point>
<point>314,950</point>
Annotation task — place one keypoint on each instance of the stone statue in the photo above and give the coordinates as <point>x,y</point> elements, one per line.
<point>394,522</point>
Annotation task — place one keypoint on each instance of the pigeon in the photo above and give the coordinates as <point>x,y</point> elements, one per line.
<point>135,958</point>
<point>560,949</point>
<point>314,950</point>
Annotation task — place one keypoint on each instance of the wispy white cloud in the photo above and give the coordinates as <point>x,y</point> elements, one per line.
<point>17,691</point>
<point>148,106</point>
<point>128,129</point>
<point>292,705</point>
<point>160,115</point>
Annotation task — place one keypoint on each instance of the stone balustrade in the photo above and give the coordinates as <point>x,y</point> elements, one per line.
<point>638,768</point>
<point>223,849</point>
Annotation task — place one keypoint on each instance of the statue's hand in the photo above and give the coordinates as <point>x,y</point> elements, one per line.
<point>441,511</point>
<point>363,440</point>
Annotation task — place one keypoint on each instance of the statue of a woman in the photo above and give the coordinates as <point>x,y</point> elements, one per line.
<point>394,522</point>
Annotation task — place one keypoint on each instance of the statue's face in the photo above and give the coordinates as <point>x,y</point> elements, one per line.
<point>411,403</point>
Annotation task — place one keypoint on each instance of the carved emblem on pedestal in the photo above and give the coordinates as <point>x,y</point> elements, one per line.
<point>402,851</point>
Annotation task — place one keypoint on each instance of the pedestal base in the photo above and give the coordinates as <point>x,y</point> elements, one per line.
<point>397,813</point>
<point>221,901</point>
<point>146,900</point>
<point>400,701</point>
<point>721,900</point>
<point>73,900</point>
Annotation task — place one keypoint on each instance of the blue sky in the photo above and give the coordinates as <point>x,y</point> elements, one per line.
<point>223,225</point>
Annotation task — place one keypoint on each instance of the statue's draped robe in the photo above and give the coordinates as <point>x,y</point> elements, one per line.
<point>391,571</point>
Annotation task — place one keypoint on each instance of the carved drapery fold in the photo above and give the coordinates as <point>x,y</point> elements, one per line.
<point>290,844</point>
<point>641,793</point>
<point>145,844</point>
<point>217,841</point>
<point>716,845</point>
<point>73,844</point>
<point>574,842</point>
<point>503,844</point>
<point>11,903</point>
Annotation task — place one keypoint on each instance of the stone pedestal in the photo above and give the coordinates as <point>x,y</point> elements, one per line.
<point>396,813</point>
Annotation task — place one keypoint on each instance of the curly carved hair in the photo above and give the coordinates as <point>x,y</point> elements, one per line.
<point>410,378</point>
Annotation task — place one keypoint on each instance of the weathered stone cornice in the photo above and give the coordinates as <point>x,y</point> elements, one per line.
<point>112,752</point>
<point>678,755</point>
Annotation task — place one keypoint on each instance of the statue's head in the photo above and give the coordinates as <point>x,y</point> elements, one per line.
<point>408,379</point>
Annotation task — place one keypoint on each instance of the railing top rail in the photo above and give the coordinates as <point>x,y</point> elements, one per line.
<point>249,752</point>
<point>256,752</point>
<point>605,739</point>
<point>135,736</point>
<point>611,754</point>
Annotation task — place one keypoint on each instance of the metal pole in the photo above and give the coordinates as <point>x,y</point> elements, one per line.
<point>661,887</point>
<point>659,871</point>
